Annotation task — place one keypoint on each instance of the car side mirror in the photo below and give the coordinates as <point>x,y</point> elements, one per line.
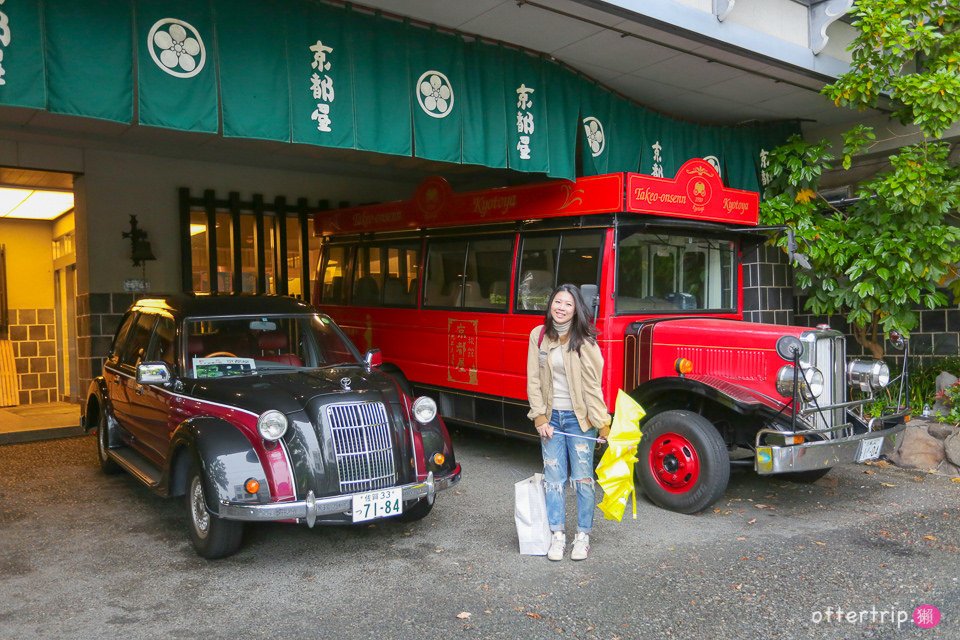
<point>590,293</point>
<point>372,358</point>
<point>153,373</point>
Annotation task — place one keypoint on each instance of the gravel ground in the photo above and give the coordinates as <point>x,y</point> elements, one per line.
<point>83,555</point>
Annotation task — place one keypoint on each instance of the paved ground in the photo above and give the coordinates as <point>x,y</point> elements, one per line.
<point>84,555</point>
<point>31,422</point>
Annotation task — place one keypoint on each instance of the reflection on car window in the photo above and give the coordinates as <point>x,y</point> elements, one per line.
<point>663,272</point>
<point>137,342</point>
<point>220,347</point>
<point>162,346</point>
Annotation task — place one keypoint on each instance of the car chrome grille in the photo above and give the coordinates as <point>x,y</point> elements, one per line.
<point>361,439</point>
<point>827,352</point>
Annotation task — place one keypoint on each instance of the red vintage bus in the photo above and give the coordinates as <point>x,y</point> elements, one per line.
<point>449,287</point>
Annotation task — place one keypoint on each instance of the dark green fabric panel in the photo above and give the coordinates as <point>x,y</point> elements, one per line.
<point>563,119</point>
<point>436,80</point>
<point>88,62</point>
<point>528,139</point>
<point>381,88</point>
<point>740,145</point>
<point>320,74</point>
<point>648,128</point>
<point>484,94</point>
<point>624,136</point>
<point>676,138</point>
<point>252,57</point>
<point>21,54</point>
<point>176,66</point>
<point>596,107</point>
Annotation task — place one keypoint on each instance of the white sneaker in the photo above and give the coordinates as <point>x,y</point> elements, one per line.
<point>557,545</point>
<point>581,547</point>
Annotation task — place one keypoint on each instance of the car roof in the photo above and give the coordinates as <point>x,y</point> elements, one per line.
<point>186,305</point>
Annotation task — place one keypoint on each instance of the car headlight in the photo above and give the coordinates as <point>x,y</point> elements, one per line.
<point>812,389</point>
<point>869,375</point>
<point>424,409</point>
<point>272,425</point>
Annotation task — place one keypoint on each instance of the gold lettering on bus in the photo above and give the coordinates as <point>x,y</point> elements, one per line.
<point>462,351</point>
<point>730,205</point>
<point>501,204</point>
<point>369,218</point>
<point>646,194</point>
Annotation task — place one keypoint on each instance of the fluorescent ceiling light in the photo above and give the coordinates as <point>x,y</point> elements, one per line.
<point>32,204</point>
<point>197,229</point>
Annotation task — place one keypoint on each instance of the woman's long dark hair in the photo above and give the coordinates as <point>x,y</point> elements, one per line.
<point>581,327</point>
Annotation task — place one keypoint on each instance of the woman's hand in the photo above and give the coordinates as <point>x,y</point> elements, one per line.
<point>545,431</point>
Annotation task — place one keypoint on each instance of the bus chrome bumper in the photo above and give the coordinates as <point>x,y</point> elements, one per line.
<point>312,507</point>
<point>810,456</point>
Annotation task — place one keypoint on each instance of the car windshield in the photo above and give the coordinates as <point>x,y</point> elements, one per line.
<point>221,347</point>
<point>670,273</point>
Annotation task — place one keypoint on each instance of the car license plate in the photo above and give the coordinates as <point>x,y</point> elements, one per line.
<point>377,504</point>
<point>870,449</point>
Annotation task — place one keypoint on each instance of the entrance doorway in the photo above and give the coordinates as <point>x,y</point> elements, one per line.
<point>39,325</point>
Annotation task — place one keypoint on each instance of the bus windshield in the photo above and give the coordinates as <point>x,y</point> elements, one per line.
<point>661,272</point>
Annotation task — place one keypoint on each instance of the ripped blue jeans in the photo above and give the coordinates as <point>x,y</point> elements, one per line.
<point>568,458</point>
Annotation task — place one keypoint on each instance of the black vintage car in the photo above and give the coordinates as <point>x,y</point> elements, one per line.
<point>258,408</point>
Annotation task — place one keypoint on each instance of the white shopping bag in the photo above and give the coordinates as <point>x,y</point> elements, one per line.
<point>533,530</point>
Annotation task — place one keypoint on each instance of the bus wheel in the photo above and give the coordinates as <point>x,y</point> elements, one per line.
<point>683,464</point>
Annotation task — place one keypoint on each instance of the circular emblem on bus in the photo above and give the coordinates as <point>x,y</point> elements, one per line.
<point>699,191</point>
<point>595,138</point>
<point>176,47</point>
<point>435,94</point>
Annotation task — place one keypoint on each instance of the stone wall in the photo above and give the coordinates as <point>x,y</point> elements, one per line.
<point>34,339</point>
<point>98,316</point>
<point>767,286</point>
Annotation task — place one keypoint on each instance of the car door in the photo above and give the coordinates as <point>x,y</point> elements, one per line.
<point>115,380</point>
<point>153,401</point>
<point>133,410</point>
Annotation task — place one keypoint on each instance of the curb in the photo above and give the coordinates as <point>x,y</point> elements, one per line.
<point>33,435</point>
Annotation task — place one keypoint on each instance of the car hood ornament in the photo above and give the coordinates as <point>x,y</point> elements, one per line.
<point>345,384</point>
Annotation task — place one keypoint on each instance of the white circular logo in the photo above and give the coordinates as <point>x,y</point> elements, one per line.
<point>176,47</point>
<point>435,94</point>
<point>714,162</point>
<point>595,138</point>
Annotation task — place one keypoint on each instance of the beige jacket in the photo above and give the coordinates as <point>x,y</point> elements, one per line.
<point>583,377</point>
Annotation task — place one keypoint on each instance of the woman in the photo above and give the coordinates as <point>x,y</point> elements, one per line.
<point>564,368</point>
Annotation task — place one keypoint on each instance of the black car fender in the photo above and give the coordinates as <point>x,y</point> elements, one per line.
<point>225,456</point>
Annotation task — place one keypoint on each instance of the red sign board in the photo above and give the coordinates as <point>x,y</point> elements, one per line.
<point>695,193</point>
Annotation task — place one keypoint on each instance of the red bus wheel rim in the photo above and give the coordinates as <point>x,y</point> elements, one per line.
<point>674,463</point>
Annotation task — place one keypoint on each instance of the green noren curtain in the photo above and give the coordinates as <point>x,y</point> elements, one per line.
<point>563,125</point>
<point>253,69</point>
<point>596,128</point>
<point>320,75</point>
<point>21,43</point>
<point>484,127</point>
<point>381,87</point>
<point>436,82</point>
<point>176,66</point>
<point>525,109</point>
<point>88,62</point>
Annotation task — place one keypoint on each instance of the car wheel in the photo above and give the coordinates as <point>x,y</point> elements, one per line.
<point>804,477</point>
<point>419,511</point>
<point>107,464</point>
<point>212,537</point>
<point>683,464</point>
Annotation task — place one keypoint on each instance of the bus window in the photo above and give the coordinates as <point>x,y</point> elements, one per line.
<point>488,269</point>
<point>332,276</point>
<point>661,272</point>
<point>574,257</point>
<point>445,266</point>
<point>367,276</point>
<point>402,274</point>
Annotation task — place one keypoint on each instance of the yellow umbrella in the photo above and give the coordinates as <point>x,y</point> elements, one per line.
<point>615,471</point>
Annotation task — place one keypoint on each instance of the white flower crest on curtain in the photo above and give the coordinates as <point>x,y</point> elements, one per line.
<point>176,47</point>
<point>435,94</point>
<point>595,138</point>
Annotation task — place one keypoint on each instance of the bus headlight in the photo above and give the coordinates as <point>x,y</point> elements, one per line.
<point>272,425</point>
<point>424,409</point>
<point>810,387</point>
<point>869,375</point>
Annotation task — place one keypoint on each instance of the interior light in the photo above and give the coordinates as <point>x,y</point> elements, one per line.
<point>34,205</point>
<point>196,229</point>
